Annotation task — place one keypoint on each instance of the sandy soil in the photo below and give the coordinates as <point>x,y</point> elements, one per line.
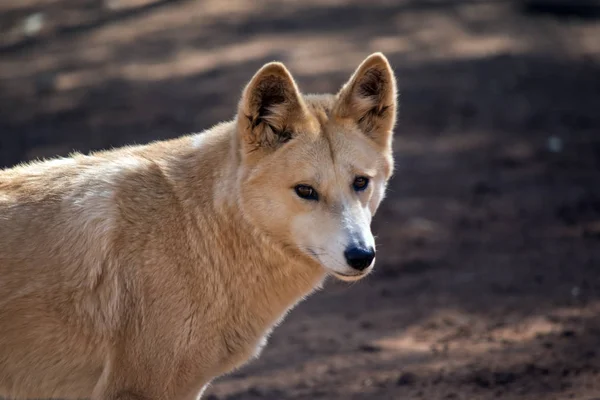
<point>488,276</point>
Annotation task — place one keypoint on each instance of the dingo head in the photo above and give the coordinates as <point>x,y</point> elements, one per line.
<point>314,168</point>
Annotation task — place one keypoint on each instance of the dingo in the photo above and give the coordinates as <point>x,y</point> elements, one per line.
<point>145,272</point>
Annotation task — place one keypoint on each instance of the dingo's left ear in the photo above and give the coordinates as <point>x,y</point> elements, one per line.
<point>369,97</point>
<point>270,105</point>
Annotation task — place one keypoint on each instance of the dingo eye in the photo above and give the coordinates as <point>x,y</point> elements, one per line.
<point>306,192</point>
<point>360,183</point>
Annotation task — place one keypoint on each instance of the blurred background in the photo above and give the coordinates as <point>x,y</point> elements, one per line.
<point>488,276</point>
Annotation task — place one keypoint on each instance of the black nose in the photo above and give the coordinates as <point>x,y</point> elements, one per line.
<point>359,257</point>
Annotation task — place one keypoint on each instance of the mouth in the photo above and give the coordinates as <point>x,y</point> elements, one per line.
<point>350,277</point>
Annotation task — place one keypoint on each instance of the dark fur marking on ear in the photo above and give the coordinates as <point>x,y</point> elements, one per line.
<point>372,84</point>
<point>382,111</point>
<point>285,136</point>
<point>367,121</point>
<point>254,121</point>
<point>272,92</point>
<point>274,139</point>
<point>281,136</point>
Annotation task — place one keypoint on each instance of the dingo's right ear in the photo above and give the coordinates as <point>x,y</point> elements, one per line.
<point>270,105</point>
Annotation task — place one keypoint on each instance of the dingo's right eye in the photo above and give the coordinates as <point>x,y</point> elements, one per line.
<point>306,192</point>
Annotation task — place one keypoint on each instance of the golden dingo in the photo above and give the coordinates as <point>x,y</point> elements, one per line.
<point>145,272</point>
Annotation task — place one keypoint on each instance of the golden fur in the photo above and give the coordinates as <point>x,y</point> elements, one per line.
<point>145,272</point>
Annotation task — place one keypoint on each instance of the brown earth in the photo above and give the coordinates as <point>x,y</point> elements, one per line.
<point>488,276</point>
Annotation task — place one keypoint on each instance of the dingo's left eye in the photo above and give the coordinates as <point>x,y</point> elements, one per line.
<point>306,192</point>
<point>360,183</point>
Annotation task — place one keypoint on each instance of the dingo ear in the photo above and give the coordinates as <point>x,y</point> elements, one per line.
<point>270,105</point>
<point>369,98</point>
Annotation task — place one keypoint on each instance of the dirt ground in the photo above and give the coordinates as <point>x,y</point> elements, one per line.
<point>488,277</point>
